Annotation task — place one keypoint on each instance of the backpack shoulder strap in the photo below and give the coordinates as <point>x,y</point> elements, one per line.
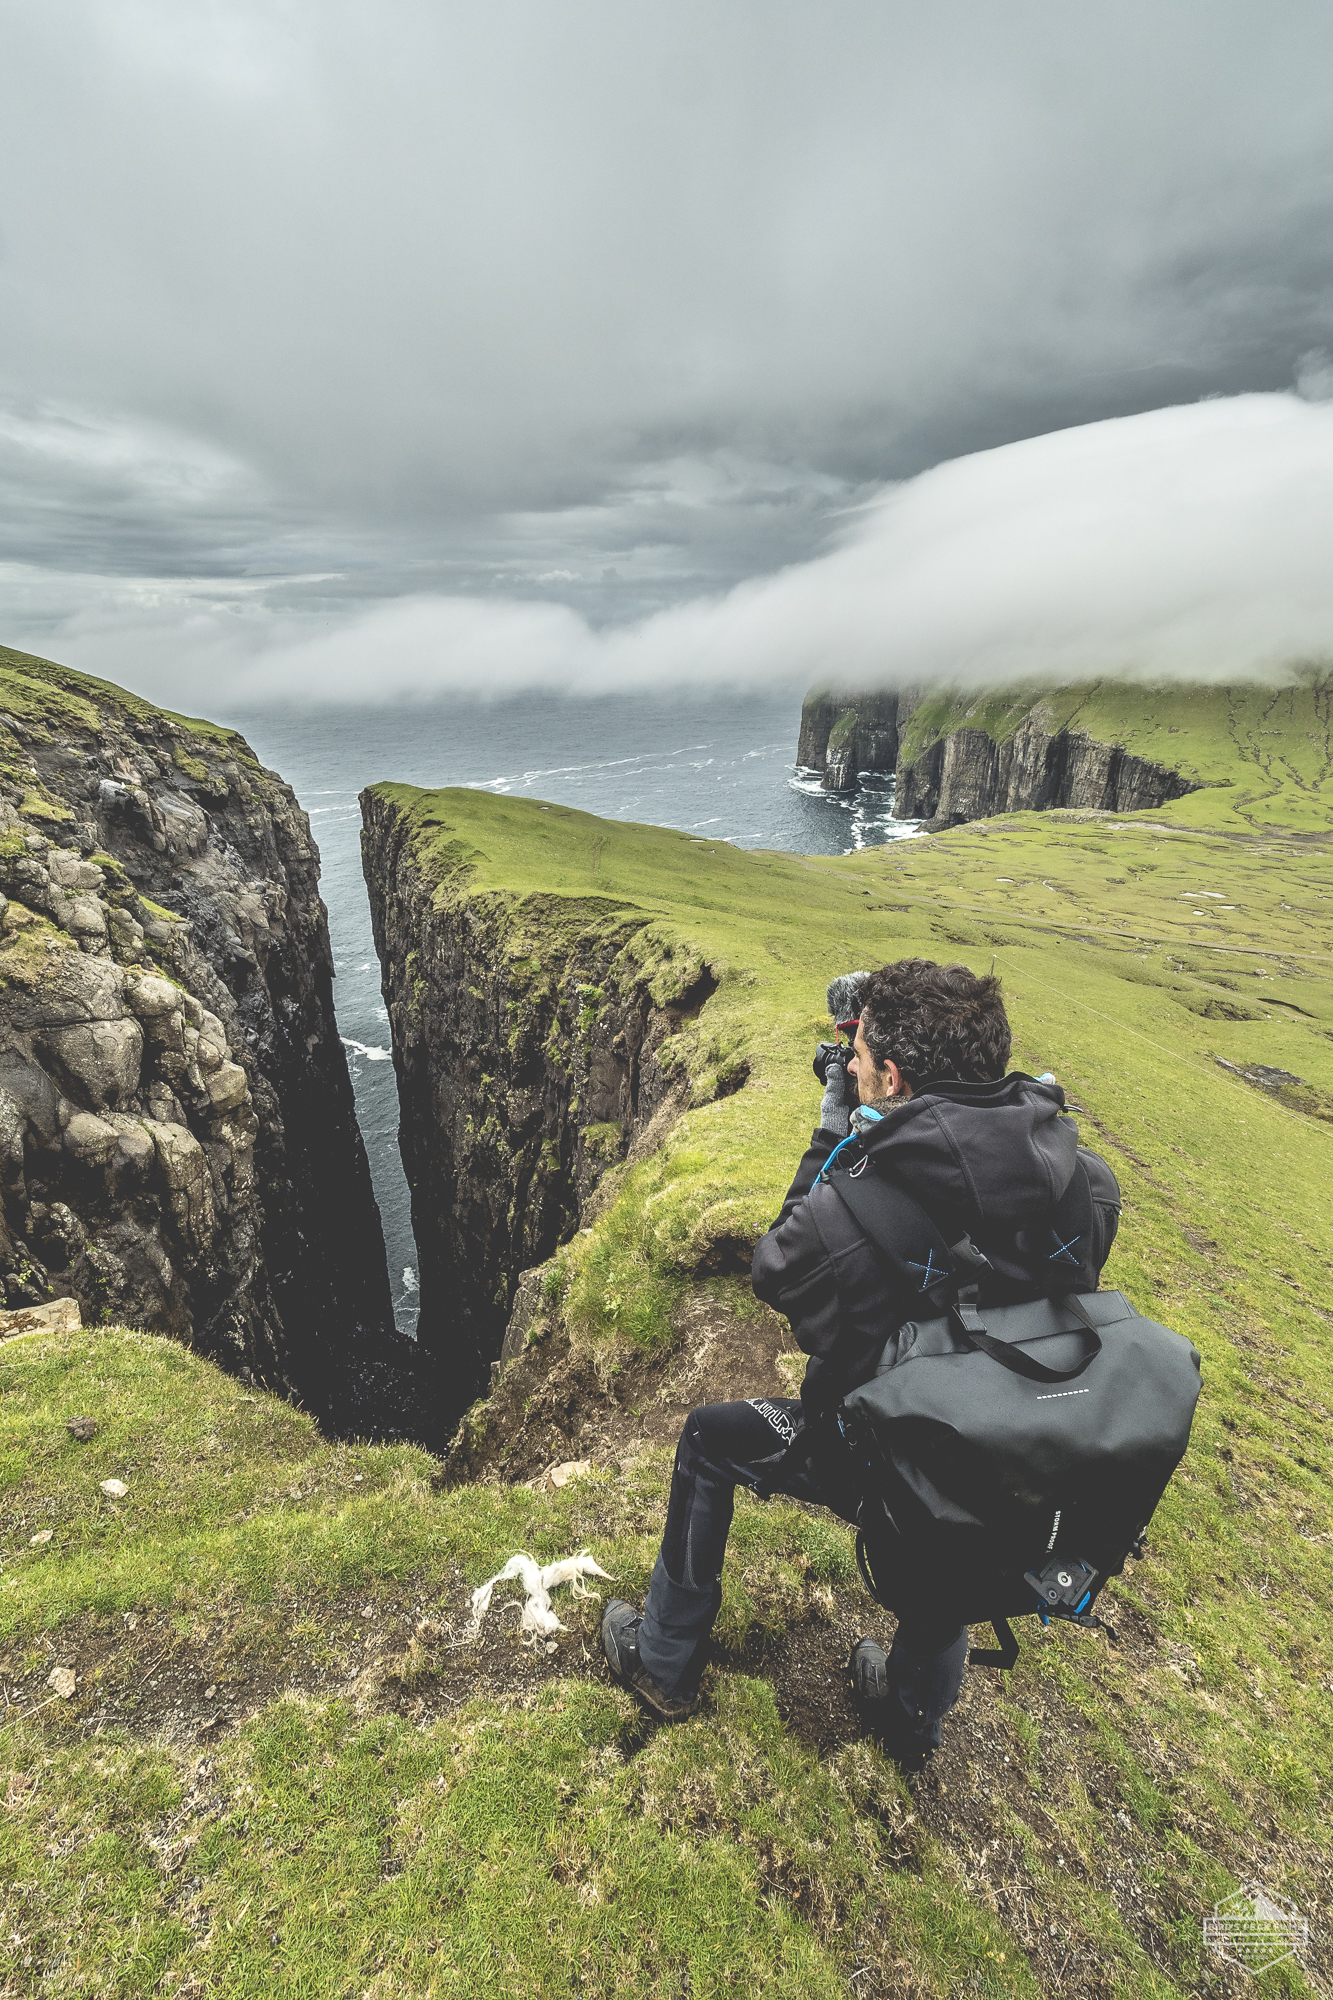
<point>903,1237</point>
<point>1047,1259</point>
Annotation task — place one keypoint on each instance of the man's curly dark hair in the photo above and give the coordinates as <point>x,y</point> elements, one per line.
<point>937,1022</point>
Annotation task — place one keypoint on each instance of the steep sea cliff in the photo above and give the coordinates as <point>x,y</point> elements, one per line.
<point>843,734</point>
<point>534,1039</point>
<point>966,757</point>
<point>177,1139</point>
<point>949,772</point>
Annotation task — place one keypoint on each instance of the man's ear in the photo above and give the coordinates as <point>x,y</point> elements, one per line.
<point>893,1076</point>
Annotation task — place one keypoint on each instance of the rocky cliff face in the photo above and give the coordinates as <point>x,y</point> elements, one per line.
<point>953,773</point>
<point>842,734</point>
<point>532,1041</point>
<point>178,1148</point>
<point>965,774</point>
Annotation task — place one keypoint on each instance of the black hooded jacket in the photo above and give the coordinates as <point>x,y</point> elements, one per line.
<point>986,1158</point>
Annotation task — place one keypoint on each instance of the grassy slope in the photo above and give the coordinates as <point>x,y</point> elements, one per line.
<point>539,1839</point>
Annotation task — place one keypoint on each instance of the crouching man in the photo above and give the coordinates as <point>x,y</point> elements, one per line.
<point>924,1101</point>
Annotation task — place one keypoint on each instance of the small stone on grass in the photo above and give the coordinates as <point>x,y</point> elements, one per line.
<point>115,1489</point>
<point>62,1679</point>
<point>44,1535</point>
<point>573,1468</point>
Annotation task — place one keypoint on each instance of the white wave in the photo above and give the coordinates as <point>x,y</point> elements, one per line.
<point>409,1278</point>
<point>361,1049</point>
<point>644,760</point>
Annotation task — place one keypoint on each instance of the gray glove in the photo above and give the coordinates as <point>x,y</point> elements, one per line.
<point>835,1113</point>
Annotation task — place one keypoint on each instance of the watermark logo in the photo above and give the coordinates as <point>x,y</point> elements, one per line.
<point>1255,1930</point>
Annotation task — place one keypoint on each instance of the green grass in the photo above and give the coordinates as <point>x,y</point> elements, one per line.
<point>318,1845</point>
<point>1135,952</point>
<point>420,1820</point>
<point>530,1852</point>
<point>234,1496</point>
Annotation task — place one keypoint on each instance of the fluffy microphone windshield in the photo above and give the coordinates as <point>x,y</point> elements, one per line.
<point>844,995</point>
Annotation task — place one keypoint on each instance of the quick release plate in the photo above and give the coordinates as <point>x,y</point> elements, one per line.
<point>1064,1585</point>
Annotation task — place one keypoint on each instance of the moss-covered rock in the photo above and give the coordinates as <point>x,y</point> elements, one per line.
<point>181,1149</point>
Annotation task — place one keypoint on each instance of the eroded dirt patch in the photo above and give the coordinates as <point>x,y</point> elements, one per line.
<point>554,1402</point>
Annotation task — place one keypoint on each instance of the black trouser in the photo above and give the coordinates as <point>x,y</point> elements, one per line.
<point>726,1445</point>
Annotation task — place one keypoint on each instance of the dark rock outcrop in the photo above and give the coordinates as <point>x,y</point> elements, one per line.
<point>532,1040</point>
<point>842,734</point>
<point>178,1147</point>
<point>965,774</point>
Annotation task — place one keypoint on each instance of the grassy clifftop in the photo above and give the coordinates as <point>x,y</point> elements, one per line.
<point>1196,942</point>
<point>282,1772</point>
<point>1272,748</point>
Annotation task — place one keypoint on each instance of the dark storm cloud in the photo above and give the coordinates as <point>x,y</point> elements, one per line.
<point>310,306</point>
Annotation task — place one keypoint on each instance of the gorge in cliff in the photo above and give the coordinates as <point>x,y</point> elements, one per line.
<point>535,1040</point>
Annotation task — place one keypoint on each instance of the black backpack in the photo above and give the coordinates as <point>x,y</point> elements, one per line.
<point>1014,1441</point>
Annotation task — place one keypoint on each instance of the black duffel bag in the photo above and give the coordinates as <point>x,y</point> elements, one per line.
<point>1011,1455</point>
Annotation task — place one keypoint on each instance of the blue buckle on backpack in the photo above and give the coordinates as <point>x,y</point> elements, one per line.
<point>1064,1589</point>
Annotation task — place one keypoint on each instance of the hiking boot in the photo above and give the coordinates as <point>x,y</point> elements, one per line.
<point>620,1643</point>
<point>910,1744</point>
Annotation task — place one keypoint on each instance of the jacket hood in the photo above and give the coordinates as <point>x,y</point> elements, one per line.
<point>993,1152</point>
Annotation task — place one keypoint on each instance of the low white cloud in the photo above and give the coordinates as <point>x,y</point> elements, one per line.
<point>1314,376</point>
<point>1189,542</point>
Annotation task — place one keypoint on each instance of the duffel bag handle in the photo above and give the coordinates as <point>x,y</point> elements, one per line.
<point>969,1322</point>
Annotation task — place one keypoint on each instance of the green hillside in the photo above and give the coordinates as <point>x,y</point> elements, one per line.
<point>1271,748</point>
<point>282,1771</point>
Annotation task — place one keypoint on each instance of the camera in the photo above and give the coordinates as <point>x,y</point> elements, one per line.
<point>831,1052</point>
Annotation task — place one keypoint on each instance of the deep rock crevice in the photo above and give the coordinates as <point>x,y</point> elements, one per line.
<point>531,1056</point>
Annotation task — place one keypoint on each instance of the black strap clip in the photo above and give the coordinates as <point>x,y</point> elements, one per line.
<point>1001,1657</point>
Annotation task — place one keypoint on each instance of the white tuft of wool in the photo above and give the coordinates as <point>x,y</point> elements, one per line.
<point>538,1621</point>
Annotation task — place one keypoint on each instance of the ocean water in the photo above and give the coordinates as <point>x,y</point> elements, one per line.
<point>722,767</point>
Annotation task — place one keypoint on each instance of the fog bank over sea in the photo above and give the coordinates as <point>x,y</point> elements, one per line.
<point>723,768</point>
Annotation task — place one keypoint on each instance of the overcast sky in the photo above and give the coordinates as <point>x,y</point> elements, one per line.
<point>528,321</point>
